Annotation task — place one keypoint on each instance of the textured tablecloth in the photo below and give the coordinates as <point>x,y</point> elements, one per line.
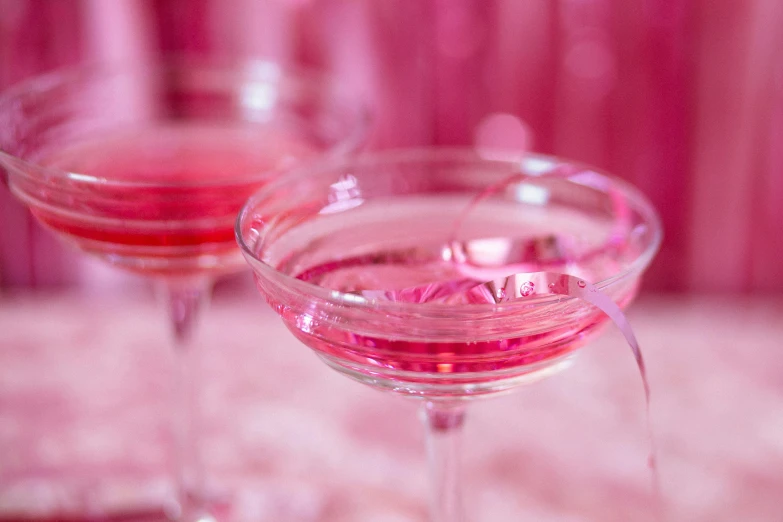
<point>84,382</point>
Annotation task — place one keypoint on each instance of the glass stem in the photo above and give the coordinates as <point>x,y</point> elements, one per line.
<point>184,300</point>
<point>443,427</point>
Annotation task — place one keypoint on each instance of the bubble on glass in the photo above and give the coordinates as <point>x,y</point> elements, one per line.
<point>502,133</point>
<point>527,288</point>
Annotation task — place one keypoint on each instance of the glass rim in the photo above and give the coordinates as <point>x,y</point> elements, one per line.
<point>422,156</point>
<point>261,70</point>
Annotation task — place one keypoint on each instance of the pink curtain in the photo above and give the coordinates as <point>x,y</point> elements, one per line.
<point>684,98</point>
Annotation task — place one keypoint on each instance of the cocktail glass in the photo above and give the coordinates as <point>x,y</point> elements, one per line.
<point>366,260</point>
<point>147,166</point>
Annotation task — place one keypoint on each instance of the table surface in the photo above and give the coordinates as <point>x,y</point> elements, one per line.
<point>84,381</point>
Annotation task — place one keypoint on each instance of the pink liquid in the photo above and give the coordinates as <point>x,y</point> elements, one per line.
<point>388,270</point>
<point>183,186</point>
<point>395,251</point>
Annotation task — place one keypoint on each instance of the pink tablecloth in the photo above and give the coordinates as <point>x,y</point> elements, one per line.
<point>82,414</point>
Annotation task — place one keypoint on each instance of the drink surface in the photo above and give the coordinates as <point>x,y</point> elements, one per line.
<point>162,192</point>
<point>398,250</point>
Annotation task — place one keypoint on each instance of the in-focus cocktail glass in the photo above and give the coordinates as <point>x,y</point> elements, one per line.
<point>376,263</point>
<point>146,167</point>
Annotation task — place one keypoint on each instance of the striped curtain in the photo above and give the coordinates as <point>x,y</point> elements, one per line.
<point>684,98</point>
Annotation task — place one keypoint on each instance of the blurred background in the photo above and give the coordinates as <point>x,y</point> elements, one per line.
<point>684,98</point>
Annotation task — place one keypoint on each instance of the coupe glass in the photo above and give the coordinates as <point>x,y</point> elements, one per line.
<point>147,167</point>
<point>361,258</point>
